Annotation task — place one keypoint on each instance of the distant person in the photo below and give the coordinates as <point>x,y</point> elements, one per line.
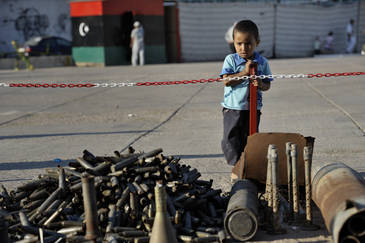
<point>235,104</point>
<point>229,37</point>
<point>20,56</point>
<point>317,46</point>
<point>137,44</point>
<point>328,43</point>
<point>350,37</point>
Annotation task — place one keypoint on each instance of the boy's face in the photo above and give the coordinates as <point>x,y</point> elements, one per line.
<point>245,44</point>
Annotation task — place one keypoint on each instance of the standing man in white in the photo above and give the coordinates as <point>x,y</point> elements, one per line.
<point>350,37</point>
<point>137,44</point>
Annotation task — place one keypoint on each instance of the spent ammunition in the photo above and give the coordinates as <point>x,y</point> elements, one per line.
<point>69,230</point>
<point>146,169</point>
<point>294,159</point>
<point>61,178</point>
<point>4,230</point>
<point>276,226</point>
<point>124,163</point>
<point>241,221</point>
<point>84,163</point>
<point>91,217</point>
<point>134,233</point>
<point>162,231</point>
<point>49,201</point>
<point>268,190</point>
<point>138,188</point>
<point>307,155</point>
<point>289,174</point>
<point>123,198</point>
<point>56,213</point>
<point>339,192</point>
<point>39,194</point>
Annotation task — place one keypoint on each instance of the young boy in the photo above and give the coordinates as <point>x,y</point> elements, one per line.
<point>236,92</point>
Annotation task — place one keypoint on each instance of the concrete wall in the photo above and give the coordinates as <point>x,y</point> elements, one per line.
<point>23,19</point>
<point>38,62</point>
<point>203,26</point>
<point>289,29</point>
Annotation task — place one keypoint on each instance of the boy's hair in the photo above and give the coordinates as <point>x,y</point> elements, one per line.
<point>247,26</point>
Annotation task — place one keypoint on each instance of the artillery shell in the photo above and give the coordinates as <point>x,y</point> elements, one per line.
<point>84,163</point>
<point>135,233</point>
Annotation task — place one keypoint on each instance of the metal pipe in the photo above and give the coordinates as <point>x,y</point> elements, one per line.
<point>91,216</point>
<point>307,155</point>
<point>84,163</point>
<point>241,216</point>
<point>339,192</point>
<point>294,160</point>
<point>268,191</point>
<point>274,180</point>
<point>290,178</point>
<point>276,227</point>
<point>61,178</point>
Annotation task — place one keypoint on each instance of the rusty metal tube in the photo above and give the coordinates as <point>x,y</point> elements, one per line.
<point>241,216</point>
<point>290,178</point>
<point>91,216</point>
<point>274,179</point>
<point>268,190</point>
<point>339,192</point>
<point>307,155</point>
<point>294,160</point>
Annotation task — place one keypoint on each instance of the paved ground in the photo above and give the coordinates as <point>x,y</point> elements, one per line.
<point>39,125</point>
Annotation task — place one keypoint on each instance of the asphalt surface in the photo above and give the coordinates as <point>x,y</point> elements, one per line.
<point>39,125</point>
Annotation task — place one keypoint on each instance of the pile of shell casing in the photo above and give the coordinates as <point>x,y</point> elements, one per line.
<point>51,208</point>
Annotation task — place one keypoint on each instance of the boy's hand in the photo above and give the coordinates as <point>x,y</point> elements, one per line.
<point>261,85</point>
<point>258,82</point>
<point>247,67</point>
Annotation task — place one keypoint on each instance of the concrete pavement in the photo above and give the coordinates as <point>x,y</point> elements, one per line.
<point>39,125</point>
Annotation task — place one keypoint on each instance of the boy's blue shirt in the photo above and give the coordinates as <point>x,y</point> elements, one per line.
<point>236,97</point>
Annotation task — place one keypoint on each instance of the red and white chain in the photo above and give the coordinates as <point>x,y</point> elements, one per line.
<point>194,81</point>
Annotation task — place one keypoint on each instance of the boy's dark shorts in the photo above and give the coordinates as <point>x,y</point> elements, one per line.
<point>235,133</point>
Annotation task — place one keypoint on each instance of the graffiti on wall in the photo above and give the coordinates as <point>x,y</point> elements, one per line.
<point>31,23</point>
<point>21,20</point>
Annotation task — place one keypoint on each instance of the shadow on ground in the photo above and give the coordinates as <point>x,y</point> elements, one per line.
<point>199,156</point>
<point>32,165</point>
<point>67,134</point>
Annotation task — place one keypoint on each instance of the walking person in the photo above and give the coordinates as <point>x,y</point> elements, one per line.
<point>137,44</point>
<point>21,56</point>
<point>350,37</point>
<point>235,103</point>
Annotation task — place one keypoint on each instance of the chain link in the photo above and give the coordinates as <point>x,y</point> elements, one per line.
<point>271,76</point>
<point>194,81</point>
<point>113,85</point>
<point>4,85</point>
